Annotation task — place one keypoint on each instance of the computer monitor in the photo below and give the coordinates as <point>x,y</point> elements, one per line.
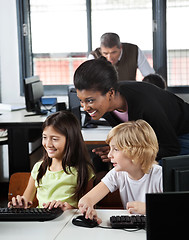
<point>176,173</point>
<point>74,103</point>
<point>33,94</point>
<point>166,215</point>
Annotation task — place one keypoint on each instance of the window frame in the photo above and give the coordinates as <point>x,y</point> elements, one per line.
<point>24,41</point>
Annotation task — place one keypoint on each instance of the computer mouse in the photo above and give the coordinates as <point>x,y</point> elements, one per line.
<point>90,125</point>
<point>83,222</point>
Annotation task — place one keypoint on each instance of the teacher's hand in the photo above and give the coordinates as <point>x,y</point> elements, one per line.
<point>103,153</point>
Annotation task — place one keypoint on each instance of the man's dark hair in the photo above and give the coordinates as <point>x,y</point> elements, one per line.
<point>110,40</point>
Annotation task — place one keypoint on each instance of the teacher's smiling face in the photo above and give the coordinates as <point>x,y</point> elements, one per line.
<point>94,103</point>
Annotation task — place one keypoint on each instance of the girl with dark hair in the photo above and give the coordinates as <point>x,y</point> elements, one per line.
<point>63,175</point>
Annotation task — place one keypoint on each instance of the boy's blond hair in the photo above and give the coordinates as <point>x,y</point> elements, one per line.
<point>138,140</point>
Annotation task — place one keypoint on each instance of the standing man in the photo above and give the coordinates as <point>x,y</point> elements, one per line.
<point>126,57</point>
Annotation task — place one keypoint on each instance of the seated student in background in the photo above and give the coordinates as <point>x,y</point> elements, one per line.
<point>133,150</point>
<point>155,79</point>
<point>63,175</point>
<point>126,57</point>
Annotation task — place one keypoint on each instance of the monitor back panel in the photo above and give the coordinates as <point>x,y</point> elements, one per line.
<point>167,215</point>
<point>176,173</point>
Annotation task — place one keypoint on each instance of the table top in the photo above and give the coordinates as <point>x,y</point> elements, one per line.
<point>62,228</point>
<point>35,230</point>
<point>74,232</point>
<point>17,118</point>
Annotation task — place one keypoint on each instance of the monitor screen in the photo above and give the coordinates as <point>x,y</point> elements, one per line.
<point>33,93</point>
<point>166,215</point>
<point>176,173</point>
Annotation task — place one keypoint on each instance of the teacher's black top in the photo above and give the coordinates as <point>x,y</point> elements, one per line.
<point>165,112</point>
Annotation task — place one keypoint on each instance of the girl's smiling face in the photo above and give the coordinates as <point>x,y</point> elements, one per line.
<point>53,142</point>
<point>94,103</point>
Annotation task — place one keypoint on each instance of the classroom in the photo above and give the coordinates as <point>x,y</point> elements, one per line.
<point>111,67</point>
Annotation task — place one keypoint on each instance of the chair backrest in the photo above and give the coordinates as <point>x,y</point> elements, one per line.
<point>17,185</point>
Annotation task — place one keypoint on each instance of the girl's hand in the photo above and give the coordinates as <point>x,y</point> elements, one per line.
<point>19,202</point>
<point>55,204</point>
<point>136,207</point>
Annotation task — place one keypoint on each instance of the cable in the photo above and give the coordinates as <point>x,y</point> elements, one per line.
<point>124,229</point>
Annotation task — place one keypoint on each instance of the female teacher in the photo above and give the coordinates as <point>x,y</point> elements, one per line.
<point>101,95</point>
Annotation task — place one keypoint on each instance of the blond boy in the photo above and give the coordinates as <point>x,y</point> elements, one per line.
<point>133,150</point>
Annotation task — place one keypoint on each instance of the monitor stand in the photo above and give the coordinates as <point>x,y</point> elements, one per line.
<point>38,113</point>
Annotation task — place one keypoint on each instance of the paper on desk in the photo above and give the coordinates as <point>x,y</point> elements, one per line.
<point>5,107</point>
<point>10,107</point>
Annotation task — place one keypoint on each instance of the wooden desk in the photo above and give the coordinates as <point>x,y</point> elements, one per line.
<point>62,228</point>
<point>19,127</point>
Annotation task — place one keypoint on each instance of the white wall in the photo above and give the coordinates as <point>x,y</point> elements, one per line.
<point>9,68</point>
<point>9,62</point>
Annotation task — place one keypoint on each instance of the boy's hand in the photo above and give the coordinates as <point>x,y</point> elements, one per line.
<point>55,204</point>
<point>103,153</point>
<point>136,207</point>
<point>19,202</point>
<point>92,214</point>
<point>87,209</point>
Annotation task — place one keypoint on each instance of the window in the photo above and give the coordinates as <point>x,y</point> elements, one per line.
<point>177,43</point>
<point>131,20</point>
<point>59,39</point>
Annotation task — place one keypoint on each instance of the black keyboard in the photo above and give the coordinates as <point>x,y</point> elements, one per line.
<point>128,221</point>
<point>29,214</point>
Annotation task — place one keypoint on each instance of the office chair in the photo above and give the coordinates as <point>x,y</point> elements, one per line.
<point>3,137</point>
<point>17,184</point>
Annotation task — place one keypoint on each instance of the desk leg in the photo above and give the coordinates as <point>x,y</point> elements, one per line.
<point>18,150</point>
